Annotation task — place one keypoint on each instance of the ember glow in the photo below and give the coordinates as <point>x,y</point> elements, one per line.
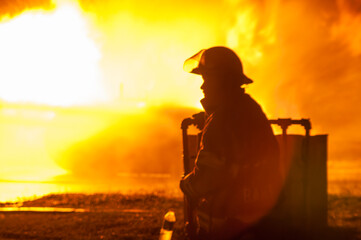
<point>79,78</point>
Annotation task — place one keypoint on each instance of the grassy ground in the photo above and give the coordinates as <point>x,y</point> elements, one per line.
<point>110,216</point>
<point>344,212</point>
<point>136,216</point>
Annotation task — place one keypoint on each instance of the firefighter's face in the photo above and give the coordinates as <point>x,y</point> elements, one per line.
<point>211,86</point>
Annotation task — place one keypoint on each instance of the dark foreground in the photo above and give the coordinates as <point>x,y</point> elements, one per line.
<point>137,216</point>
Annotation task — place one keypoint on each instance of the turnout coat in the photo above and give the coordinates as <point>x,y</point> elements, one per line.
<point>236,179</point>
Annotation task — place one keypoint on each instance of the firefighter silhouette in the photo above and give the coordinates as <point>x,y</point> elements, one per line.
<point>236,180</point>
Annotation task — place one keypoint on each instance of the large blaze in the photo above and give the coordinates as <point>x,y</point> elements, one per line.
<point>49,58</point>
<point>96,88</point>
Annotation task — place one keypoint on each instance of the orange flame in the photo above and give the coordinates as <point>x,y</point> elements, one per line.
<point>48,58</point>
<point>305,63</point>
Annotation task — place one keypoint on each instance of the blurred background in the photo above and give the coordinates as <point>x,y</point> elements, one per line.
<point>92,93</point>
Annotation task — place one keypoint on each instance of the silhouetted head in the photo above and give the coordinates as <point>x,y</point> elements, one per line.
<point>221,70</point>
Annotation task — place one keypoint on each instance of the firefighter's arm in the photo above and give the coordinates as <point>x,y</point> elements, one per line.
<point>209,169</point>
<point>206,176</point>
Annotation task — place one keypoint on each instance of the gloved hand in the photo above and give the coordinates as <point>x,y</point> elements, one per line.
<point>199,120</point>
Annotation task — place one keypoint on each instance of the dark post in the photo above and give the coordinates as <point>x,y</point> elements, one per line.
<point>189,216</point>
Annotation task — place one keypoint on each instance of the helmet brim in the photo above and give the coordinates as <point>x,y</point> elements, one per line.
<point>195,66</point>
<point>243,78</point>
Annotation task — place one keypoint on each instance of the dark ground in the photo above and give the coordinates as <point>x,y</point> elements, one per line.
<point>110,216</point>
<point>137,216</point>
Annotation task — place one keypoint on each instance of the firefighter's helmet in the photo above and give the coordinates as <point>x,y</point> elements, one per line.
<point>217,60</point>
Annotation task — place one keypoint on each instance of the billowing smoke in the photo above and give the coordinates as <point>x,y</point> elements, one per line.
<point>312,67</point>
<point>304,58</point>
<point>12,8</point>
<point>143,143</point>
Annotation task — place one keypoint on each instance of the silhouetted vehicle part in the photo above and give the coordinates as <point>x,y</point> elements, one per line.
<point>303,201</point>
<point>302,205</point>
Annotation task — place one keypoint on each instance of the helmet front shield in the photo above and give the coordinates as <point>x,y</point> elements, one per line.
<point>192,64</point>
